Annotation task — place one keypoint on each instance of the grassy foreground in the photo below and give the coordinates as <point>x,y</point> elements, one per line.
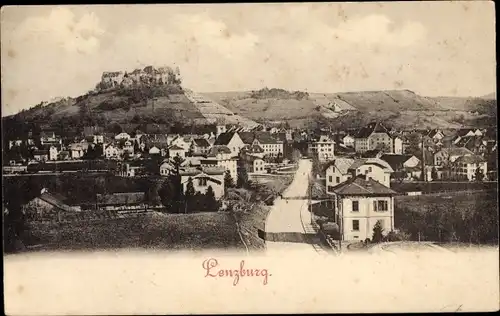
<point>156,230</point>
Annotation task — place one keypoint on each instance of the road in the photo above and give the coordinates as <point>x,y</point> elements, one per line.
<point>288,222</point>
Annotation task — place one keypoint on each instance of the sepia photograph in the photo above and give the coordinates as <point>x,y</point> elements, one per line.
<point>249,158</point>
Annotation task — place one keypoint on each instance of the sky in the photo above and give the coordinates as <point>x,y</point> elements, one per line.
<point>432,48</point>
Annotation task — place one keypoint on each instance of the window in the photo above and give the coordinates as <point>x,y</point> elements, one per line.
<point>355,206</point>
<point>330,179</point>
<point>380,206</point>
<point>369,169</point>
<point>355,225</point>
<point>202,182</point>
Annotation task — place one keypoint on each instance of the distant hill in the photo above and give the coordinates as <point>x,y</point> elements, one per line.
<point>397,108</point>
<point>163,105</point>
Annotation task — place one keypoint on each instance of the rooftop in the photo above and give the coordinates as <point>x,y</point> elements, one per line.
<point>470,159</point>
<point>360,185</point>
<point>370,161</point>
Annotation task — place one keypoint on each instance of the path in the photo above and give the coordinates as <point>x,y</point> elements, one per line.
<point>288,225</point>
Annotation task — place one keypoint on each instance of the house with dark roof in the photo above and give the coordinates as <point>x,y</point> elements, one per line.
<point>373,136</point>
<point>199,147</point>
<point>436,134</point>
<point>373,168</point>
<point>221,156</point>
<point>232,140</point>
<point>47,205</point>
<point>202,178</point>
<point>269,142</point>
<point>400,162</point>
<point>336,172</point>
<point>361,202</point>
<point>176,151</point>
<point>340,170</point>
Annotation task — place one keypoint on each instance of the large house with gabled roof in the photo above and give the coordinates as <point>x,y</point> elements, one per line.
<point>360,203</point>
<point>373,136</point>
<point>202,178</point>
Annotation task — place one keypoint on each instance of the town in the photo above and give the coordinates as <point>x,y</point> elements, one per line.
<point>355,179</point>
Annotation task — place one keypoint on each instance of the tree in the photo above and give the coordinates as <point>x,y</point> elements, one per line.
<point>228,180</point>
<point>116,128</point>
<point>434,174</point>
<point>479,175</point>
<point>279,158</point>
<point>378,235</point>
<point>210,201</point>
<point>177,162</point>
<point>413,145</point>
<point>242,181</point>
<point>151,195</point>
<point>167,192</point>
<point>190,191</point>
<point>397,236</point>
<point>189,202</point>
<point>296,155</point>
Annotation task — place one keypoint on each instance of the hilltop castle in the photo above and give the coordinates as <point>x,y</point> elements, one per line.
<point>148,75</point>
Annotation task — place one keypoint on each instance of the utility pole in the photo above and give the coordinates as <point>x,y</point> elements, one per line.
<point>341,233</point>
<point>310,198</point>
<point>424,173</point>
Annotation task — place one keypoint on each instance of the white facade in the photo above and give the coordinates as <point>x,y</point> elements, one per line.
<point>348,141</point>
<point>469,170</point>
<point>324,148</point>
<point>122,136</point>
<point>361,145</point>
<point>376,173</point>
<point>173,152</point>
<point>154,150</point>
<point>53,152</point>
<point>111,151</point>
<point>235,144</point>
<point>229,164</point>
<point>412,162</point>
<point>202,181</point>
<point>397,146</point>
<point>270,149</point>
<point>360,214</point>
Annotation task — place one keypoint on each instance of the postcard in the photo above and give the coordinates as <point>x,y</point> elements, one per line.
<point>239,158</point>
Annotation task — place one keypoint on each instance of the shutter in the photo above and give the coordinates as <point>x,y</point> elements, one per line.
<point>374,205</point>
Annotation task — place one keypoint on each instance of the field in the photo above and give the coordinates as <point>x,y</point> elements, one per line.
<point>397,108</point>
<point>449,217</point>
<point>156,230</point>
<point>434,187</point>
<point>462,202</point>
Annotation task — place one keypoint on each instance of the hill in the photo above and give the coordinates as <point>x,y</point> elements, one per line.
<point>137,106</point>
<point>396,108</point>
